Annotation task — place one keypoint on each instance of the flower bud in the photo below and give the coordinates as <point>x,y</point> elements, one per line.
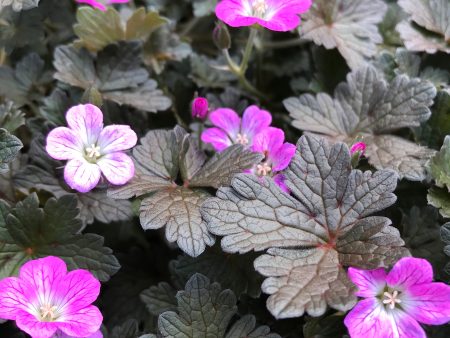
<point>200,108</point>
<point>221,36</point>
<point>358,147</point>
<point>357,150</point>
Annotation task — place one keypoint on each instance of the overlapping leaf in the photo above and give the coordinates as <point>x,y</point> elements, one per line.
<point>433,19</point>
<point>166,158</point>
<point>204,310</point>
<point>97,29</point>
<point>234,272</point>
<point>21,83</point>
<point>28,232</point>
<point>11,118</point>
<point>18,5</point>
<point>9,148</point>
<point>368,107</point>
<point>311,235</point>
<point>445,235</point>
<point>348,25</point>
<point>116,73</point>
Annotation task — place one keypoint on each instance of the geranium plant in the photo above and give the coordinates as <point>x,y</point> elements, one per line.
<point>224,168</point>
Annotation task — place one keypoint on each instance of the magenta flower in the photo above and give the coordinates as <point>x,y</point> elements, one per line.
<point>91,149</point>
<point>230,129</point>
<point>101,4</point>
<point>200,108</point>
<point>395,303</point>
<point>46,300</point>
<point>276,15</point>
<point>359,147</point>
<point>277,154</point>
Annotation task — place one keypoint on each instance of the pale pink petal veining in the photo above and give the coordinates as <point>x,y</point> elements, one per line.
<point>81,323</point>
<point>82,175</point>
<point>86,120</point>
<point>116,138</point>
<point>118,168</point>
<point>370,283</point>
<point>408,272</point>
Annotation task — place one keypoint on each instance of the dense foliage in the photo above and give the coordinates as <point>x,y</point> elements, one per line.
<point>208,228</point>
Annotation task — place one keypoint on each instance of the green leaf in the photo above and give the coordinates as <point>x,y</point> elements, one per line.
<point>368,107</point>
<point>439,165</point>
<point>440,198</point>
<point>445,236</point>
<point>313,234</point>
<point>9,148</point>
<point>98,29</point>
<point>21,84</point>
<point>31,232</point>
<point>428,28</point>
<point>129,329</point>
<point>246,328</point>
<point>117,75</point>
<point>11,118</point>
<point>159,298</point>
<point>203,311</point>
<point>18,5</point>
<point>210,73</point>
<point>234,272</point>
<point>166,158</point>
<point>348,25</point>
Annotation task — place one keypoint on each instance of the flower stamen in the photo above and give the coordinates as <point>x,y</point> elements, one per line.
<point>259,7</point>
<point>93,151</point>
<point>47,313</point>
<point>391,299</point>
<point>263,169</point>
<point>242,139</point>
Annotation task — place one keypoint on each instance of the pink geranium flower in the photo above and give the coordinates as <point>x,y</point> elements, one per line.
<point>230,129</point>
<point>91,149</point>
<point>395,303</point>
<point>101,4</point>
<point>276,15</point>
<point>46,300</point>
<point>277,154</point>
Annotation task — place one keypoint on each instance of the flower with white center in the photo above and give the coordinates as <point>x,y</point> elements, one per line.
<point>396,302</point>
<point>47,301</point>
<point>276,15</point>
<point>91,149</point>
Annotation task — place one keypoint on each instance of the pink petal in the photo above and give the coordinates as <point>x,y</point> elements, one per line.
<point>77,290</point>
<point>370,283</point>
<point>93,3</point>
<point>428,303</point>
<point>370,319</point>
<point>116,138</point>
<point>61,334</point>
<point>254,121</point>
<point>86,120</point>
<point>82,175</point>
<point>410,271</point>
<point>217,137</point>
<point>293,6</point>
<point>118,1</point>
<point>12,298</point>
<point>281,22</point>
<point>232,12</point>
<point>64,144</point>
<point>227,120</point>
<point>34,327</point>
<point>39,276</point>
<point>118,168</point>
<point>281,158</point>
<point>279,179</point>
<point>82,323</point>
<point>268,140</point>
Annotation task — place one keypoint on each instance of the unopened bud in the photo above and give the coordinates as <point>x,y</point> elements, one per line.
<point>221,36</point>
<point>200,108</point>
<point>357,150</point>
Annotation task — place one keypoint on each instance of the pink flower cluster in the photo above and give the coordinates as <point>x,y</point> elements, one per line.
<point>276,15</point>
<point>253,131</point>
<point>47,301</point>
<point>101,4</point>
